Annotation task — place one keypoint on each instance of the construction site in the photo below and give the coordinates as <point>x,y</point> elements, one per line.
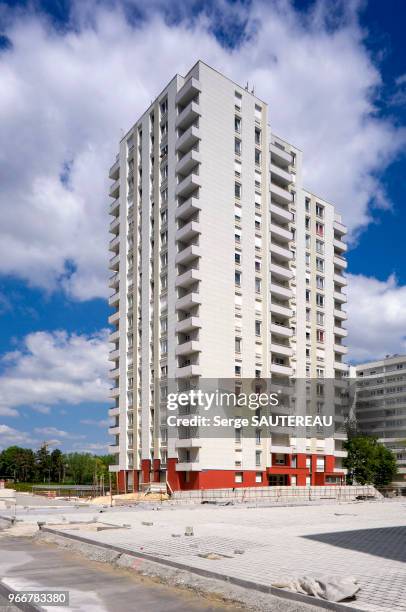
<point>339,548</point>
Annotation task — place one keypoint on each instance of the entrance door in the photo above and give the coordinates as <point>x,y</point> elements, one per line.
<point>278,480</point>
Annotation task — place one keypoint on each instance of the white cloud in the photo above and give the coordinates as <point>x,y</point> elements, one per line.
<point>66,94</point>
<point>376,317</point>
<point>10,436</point>
<point>51,431</point>
<point>103,423</point>
<point>55,367</point>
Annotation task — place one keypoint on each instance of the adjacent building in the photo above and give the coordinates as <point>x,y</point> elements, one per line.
<point>381,405</point>
<point>223,266</point>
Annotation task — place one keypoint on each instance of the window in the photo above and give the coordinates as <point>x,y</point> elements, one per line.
<point>320,264</point>
<point>237,434</point>
<point>164,238</point>
<point>164,282</point>
<point>307,295</point>
<point>164,326</point>
<point>320,372</point>
<point>164,106</point>
<point>237,278</point>
<point>258,285</point>
<point>320,318</point>
<point>307,223</point>
<point>320,246</point>
<point>238,343</point>
<point>307,241</point>
<point>237,190</point>
<point>258,328</point>
<point>320,299</point>
<point>257,436</point>
<point>293,162</point>
<point>237,168</point>
<point>164,346</point>
<point>319,211</point>
<point>258,458</point>
<point>237,257</point>
<point>257,265</point>
<point>320,335</point>
<point>237,146</point>
<point>307,314</point>
<point>320,282</point>
<point>258,111</point>
<point>164,259</point>
<point>164,217</point>
<point>237,100</point>
<point>237,124</point>
<point>307,204</point>
<point>164,195</point>
<point>237,214</point>
<point>257,222</point>
<point>258,477</point>
<point>257,136</point>
<point>238,477</point>
<point>308,462</point>
<point>319,229</point>
<point>307,259</point>
<point>257,157</point>
<point>237,236</point>
<point>237,370</point>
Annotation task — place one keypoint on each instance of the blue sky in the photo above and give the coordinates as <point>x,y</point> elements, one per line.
<point>73,75</point>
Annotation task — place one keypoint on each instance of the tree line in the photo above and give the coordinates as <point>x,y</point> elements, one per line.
<point>43,466</point>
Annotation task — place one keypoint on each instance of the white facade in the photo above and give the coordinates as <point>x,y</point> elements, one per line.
<point>223,266</point>
<point>381,404</point>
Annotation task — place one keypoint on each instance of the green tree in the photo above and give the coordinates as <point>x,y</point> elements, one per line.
<point>57,463</point>
<point>43,462</point>
<point>80,467</point>
<point>369,462</point>
<point>17,463</point>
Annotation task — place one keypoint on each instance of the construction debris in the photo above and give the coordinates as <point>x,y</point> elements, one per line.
<point>331,588</point>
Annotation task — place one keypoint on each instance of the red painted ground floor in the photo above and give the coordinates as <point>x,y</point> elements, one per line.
<point>295,470</point>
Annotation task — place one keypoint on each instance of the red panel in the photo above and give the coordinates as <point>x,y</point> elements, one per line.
<point>146,470</point>
<point>156,467</point>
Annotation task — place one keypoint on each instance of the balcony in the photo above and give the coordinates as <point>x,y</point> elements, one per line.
<point>339,228</point>
<point>188,371</point>
<point>276,368</point>
<point>114,207</point>
<point>279,448</point>
<point>114,262</point>
<point>188,278</point>
<point>281,349</point>
<point>188,208</point>
<point>280,252</point>
<point>187,324</point>
<point>114,373</point>
<point>115,411</point>
<point>281,330</point>
<point>114,244</point>
<point>340,262</point>
<point>188,254</point>
<point>340,314</point>
<point>188,443</point>
<point>280,232</point>
<point>340,297</point>
<point>114,449</point>
<point>114,430</point>
<point>188,186</point>
<point>284,311</point>
<point>280,271</point>
<point>340,470</point>
<point>188,139</point>
<point>188,301</point>
<point>340,366</point>
<point>114,336</point>
<point>114,190</point>
<point>340,348</point>
<point>280,213</point>
<point>114,171</point>
<point>115,225</point>
<point>188,115</point>
<point>339,279</point>
<point>188,162</point>
<point>114,318</point>
<point>281,174</point>
<point>187,348</point>
<point>188,91</point>
<point>340,245</point>
<point>114,299</point>
<point>340,453</point>
<point>188,467</point>
<point>187,232</point>
<point>280,290</point>
<point>114,392</point>
<point>114,280</point>
<point>282,157</point>
<point>280,195</point>
<point>114,355</point>
<point>340,331</point>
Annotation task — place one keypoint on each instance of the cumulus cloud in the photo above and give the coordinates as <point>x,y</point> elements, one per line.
<point>10,436</point>
<point>55,367</point>
<point>376,317</point>
<point>66,94</point>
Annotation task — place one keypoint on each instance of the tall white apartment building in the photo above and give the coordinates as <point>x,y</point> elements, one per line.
<point>223,266</point>
<point>380,407</point>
